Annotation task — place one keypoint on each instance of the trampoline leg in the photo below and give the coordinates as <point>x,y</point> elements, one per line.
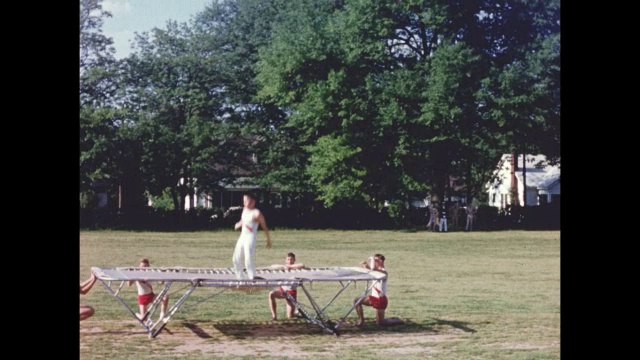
<point>321,319</point>
<point>157,301</point>
<point>342,319</point>
<point>163,322</point>
<point>338,294</point>
<point>141,321</point>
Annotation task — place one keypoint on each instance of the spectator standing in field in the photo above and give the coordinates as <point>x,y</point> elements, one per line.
<point>470,210</point>
<point>443,217</point>
<point>433,217</point>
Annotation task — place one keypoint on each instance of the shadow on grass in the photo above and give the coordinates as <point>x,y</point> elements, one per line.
<point>129,331</point>
<point>296,328</point>
<point>197,330</point>
<point>461,325</point>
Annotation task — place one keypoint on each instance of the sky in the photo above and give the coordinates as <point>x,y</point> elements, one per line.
<point>130,16</point>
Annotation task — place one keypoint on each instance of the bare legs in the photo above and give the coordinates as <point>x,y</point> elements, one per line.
<point>277,294</point>
<point>163,308</point>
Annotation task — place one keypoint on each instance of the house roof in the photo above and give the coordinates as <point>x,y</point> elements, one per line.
<point>540,175</point>
<point>552,177</point>
<point>241,183</point>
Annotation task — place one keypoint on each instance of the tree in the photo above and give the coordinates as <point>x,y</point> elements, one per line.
<point>96,55</point>
<point>183,118</point>
<point>388,97</point>
<point>236,30</point>
<point>103,154</point>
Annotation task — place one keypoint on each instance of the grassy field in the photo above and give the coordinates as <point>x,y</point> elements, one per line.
<point>478,295</point>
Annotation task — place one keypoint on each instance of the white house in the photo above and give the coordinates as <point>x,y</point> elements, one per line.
<point>231,194</point>
<point>542,181</point>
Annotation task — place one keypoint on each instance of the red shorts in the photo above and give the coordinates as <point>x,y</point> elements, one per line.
<point>378,302</point>
<point>146,299</point>
<point>293,293</point>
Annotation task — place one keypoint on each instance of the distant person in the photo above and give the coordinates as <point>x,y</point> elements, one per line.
<point>246,244</point>
<point>454,210</point>
<point>443,217</point>
<point>86,311</point>
<point>291,290</point>
<point>146,295</point>
<point>433,218</point>
<point>470,210</point>
<point>378,297</point>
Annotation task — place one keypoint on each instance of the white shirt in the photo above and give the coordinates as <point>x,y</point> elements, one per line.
<point>144,287</point>
<point>249,225</point>
<point>379,288</point>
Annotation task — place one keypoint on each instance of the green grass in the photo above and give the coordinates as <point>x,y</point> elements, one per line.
<point>478,295</point>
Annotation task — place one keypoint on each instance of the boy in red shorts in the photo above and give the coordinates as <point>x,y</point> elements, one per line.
<point>378,298</point>
<point>279,294</point>
<point>146,295</point>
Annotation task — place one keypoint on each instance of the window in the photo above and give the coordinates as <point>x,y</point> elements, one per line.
<point>542,199</point>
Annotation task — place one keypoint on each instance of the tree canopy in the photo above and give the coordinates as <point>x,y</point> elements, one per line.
<point>354,101</point>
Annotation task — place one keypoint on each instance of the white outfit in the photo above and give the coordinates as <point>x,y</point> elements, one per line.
<point>246,244</point>
<point>379,288</point>
<point>470,214</point>
<point>292,287</point>
<point>144,287</point>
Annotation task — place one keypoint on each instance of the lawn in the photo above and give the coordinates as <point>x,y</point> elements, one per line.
<point>477,295</point>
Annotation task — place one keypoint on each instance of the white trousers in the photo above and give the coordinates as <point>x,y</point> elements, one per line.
<point>246,246</point>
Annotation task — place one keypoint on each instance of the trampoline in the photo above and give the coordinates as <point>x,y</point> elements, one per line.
<point>225,279</point>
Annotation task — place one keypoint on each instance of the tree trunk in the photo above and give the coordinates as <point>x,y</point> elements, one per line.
<point>467,185</point>
<point>176,201</point>
<point>514,180</point>
<point>192,194</point>
<point>524,179</point>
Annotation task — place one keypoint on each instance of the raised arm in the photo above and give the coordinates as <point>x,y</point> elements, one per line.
<point>263,225</point>
<point>86,285</point>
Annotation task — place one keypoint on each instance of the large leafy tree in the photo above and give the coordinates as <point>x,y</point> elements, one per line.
<point>183,119</point>
<point>96,55</point>
<point>105,149</point>
<point>237,29</point>
<point>389,97</point>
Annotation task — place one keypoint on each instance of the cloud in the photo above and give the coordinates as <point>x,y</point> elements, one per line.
<point>117,7</point>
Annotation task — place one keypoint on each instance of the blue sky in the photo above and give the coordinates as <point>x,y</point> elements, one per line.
<point>130,16</point>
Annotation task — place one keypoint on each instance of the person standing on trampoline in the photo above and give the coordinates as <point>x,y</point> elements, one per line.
<point>246,244</point>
